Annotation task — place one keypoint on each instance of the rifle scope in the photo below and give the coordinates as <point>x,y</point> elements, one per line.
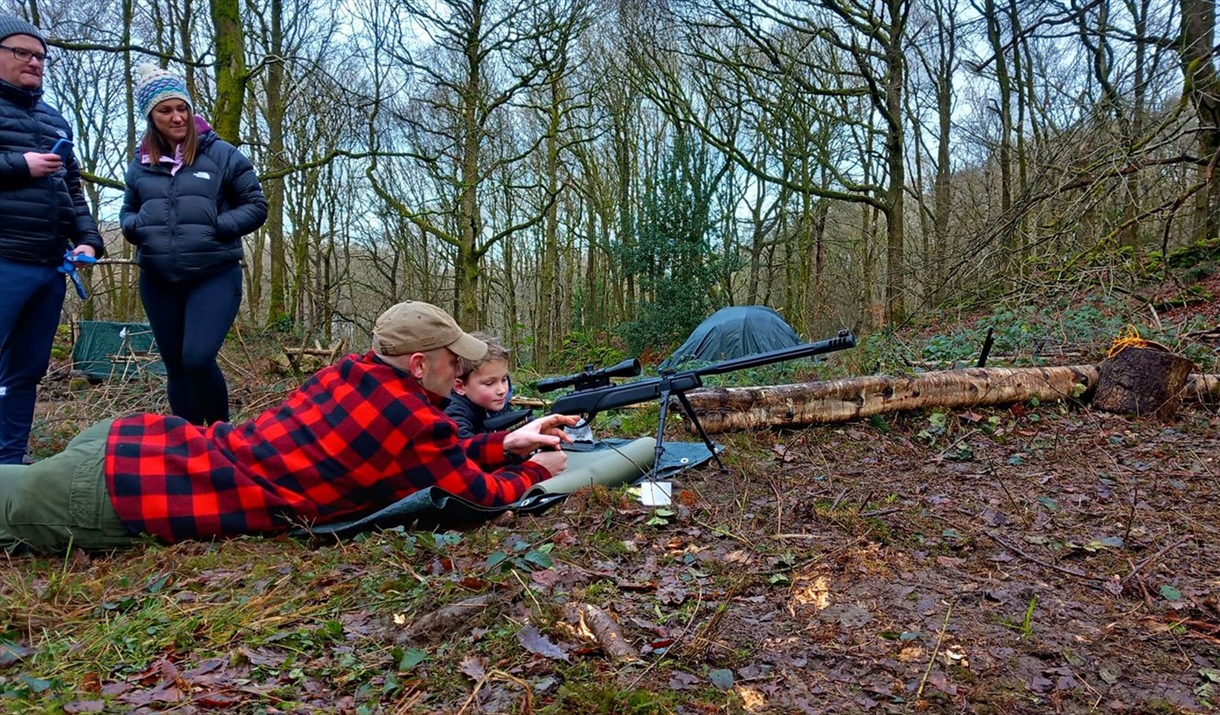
<point>589,377</point>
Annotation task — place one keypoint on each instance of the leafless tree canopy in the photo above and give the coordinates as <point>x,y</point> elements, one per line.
<point>871,160</point>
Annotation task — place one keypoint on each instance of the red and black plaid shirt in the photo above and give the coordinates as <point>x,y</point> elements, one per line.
<point>357,436</point>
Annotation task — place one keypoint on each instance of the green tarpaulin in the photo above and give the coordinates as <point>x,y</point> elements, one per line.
<point>105,349</point>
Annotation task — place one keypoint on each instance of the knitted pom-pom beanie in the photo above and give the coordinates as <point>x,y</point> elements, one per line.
<point>156,85</point>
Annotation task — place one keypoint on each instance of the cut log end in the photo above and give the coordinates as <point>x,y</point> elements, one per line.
<point>1142,381</point>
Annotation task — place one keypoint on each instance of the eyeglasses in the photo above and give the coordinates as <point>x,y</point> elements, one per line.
<point>24,55</point>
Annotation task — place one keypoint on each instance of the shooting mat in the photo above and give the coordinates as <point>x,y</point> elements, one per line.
<point>610,462</point>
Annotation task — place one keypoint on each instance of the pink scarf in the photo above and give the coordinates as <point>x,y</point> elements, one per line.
<point>174,161</point>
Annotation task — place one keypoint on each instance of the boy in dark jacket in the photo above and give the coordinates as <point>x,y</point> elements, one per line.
<point>482,389</point>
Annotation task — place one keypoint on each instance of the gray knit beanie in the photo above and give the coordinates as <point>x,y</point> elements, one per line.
<point>10,25</point>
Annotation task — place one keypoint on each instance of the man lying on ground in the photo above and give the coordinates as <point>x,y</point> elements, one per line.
<point>355,437</point>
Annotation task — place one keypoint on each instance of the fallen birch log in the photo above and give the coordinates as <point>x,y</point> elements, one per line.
<point>1203,388</point>
<point>736,408</point>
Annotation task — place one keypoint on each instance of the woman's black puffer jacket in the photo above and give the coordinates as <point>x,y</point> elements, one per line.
<point>188,226</point>
<point>41,217</point>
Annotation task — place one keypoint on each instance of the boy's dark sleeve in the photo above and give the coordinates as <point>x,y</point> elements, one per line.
<point>462,411</point>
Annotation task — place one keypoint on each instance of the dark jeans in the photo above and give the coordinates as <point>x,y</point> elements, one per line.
<point>189,321</point>
<point>31,299</point>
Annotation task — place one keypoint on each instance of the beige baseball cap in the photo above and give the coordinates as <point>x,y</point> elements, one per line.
<point>417,327</point>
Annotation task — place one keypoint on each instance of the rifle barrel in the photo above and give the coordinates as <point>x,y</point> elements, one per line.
<point>840,342</point>
<point>590,402</point>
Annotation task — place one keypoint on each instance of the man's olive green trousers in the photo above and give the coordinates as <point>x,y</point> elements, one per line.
<point>61,501</point>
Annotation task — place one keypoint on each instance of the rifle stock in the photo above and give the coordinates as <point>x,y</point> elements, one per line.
<point>588,403</point>
<point>506,421</point>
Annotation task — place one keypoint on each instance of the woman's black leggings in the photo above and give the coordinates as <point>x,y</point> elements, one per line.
<point>189,321</point>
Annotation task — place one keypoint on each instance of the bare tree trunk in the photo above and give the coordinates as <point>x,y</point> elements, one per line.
<point>1018,124</point>
<point>927,276</point>
<point>546,341</point>
<point>1130,236</point>
<point>274,188</point>
<point>624,154</point>
<point>510,290</point>
<point>943,187</point>
<point>1004,89</point>
<point>874,314</point>
<point>469,216</point>
<point>128,297</point>
<point>820,319</point>
<point>895,212</point>
<point>793,248</point>
<point>231,75</point>
<point>591,314</point>
<point>1202,85</point>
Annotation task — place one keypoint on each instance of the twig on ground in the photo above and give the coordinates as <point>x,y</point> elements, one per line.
<point>955,442</point>
<point>1202,629</point>
<point>1012,501</point>
<point>244,348</point>
<point>1131,512</point>
<point>1140,566</point>
<point>1139,582</point>
<point>406,704</point>
<point>779,506</point>
<point>713,624</point>
<point>686,629</point>
<point>1046,564</point>
<point>880,512</point>
<point>867,498</point>
<point>1210,474</point>
<point>940,637</point>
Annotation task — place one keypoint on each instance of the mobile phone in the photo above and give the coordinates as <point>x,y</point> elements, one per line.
<point>63,147</point>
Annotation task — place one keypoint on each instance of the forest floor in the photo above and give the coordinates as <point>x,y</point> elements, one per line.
<point>1038,558</point>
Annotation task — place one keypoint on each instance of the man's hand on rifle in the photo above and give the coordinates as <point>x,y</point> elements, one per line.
<point>545,433</point>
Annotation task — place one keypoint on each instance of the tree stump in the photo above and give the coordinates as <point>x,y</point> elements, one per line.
<point>1142,381</point>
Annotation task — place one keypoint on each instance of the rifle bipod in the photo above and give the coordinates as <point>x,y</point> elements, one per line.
<point>689,410</point>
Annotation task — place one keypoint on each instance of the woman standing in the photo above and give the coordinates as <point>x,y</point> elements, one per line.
<point>190,198</point>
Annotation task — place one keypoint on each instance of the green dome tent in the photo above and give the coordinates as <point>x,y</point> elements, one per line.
<point>732,332</point>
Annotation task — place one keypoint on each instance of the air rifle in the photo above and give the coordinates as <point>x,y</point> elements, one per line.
<point>506,421</point>
<point>593,392</point>
<point>586,379</point>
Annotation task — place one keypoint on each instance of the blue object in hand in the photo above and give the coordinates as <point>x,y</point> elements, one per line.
<point>63,147</point>
<point>69,268</point>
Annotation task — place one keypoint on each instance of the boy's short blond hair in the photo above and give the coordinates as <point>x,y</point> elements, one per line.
<point>495,352</point>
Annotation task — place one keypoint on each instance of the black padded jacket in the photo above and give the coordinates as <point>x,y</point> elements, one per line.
<point>188,225</point>
<point>469,416</point>
<point>41,217</point>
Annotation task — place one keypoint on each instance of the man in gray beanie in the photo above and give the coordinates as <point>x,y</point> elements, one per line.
<point>45,215</point>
